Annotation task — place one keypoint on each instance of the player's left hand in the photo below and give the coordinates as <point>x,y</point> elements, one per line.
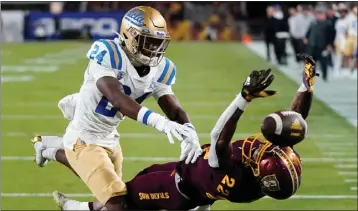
<point>255,85</point>
<point>190,147</point>
<point>309,73</point>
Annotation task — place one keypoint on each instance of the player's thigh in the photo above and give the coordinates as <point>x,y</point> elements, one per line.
<point>156,191</point>
<point>117,160</point>
<point>158,167</point>
<point>94,166</point>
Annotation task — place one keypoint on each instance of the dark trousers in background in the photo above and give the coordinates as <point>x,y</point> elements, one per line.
<point>268,48</point>
<point>316,53</point>
<point>280,50</point>
<point>297,45</point>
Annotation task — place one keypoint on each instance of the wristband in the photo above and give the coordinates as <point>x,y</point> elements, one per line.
<point>143,115</point>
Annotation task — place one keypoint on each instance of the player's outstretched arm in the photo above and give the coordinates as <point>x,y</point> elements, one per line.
<point>170,105</point>
<point>303,99</point>
<point>222,133</point>
<point>112,89</point>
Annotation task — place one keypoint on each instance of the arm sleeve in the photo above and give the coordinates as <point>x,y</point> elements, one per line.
<point>161,90</point>
<point>239,102</point>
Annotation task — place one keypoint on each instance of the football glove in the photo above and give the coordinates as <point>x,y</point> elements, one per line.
<point>256,83</point>
<point>171,129</point>
<point>309,73</point>
<point>190,147</point>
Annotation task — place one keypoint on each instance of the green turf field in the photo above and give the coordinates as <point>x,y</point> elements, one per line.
<point>36,75</point>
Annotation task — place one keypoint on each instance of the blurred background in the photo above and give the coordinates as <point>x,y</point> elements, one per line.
<point>214,45</point>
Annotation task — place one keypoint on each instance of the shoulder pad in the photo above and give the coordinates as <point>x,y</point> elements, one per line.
<point>167,72</point>
<point>106,53</point>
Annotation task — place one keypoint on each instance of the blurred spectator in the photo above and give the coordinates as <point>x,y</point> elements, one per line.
<point>210,31</point>
<point>269,32</point>
<point>332,18</point>
<point>281,35</point>
<point>239,18</point>
<point>352,50</point>
<point>296,33</point>
<point>340,42</point>
<point>319,40</point>
<point>179,28</point>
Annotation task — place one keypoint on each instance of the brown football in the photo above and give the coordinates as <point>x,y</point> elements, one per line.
<point>284,128</point>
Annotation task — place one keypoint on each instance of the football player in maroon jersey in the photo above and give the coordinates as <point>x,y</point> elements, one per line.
<point>241,171</point>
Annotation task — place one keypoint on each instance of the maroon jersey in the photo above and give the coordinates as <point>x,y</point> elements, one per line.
<point>235,182</point>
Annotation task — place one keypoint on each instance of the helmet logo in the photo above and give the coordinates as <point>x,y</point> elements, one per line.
<point>136,17</point>
<point>270,183</point>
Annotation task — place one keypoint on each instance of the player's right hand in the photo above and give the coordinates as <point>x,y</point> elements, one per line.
<point>171,129</point>
<point>256,83</point>
<point>309,73</point>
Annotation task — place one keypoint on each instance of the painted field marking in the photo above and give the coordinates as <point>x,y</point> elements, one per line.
<point>347,173</point>
<point>149,159</point>
<point>346,166</point>
<point>350,180</point>
<point>353,188</point>
<point>90,195</point>
<point>340,153</point>
<point>152,135</point>
<point>23,78</point>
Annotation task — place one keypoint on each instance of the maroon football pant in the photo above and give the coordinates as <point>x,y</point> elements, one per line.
<point>154,188</point>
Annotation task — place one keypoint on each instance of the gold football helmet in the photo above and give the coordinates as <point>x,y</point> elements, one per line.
<point>145,35</point>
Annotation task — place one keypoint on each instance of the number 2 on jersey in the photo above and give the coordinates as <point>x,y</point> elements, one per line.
<point>106,109</point>
<point>228,182</point>
<point>98,56</point>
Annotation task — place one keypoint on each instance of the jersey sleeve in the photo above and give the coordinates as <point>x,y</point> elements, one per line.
<point>165,79</point>
<point>161,90</point>
<point>167,72</point>
<point>105,59</point>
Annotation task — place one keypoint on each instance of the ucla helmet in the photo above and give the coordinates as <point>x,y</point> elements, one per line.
<point>145,35</point>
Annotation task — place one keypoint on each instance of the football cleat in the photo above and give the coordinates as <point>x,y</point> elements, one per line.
<point>39,159</point>
<point>60,199</point>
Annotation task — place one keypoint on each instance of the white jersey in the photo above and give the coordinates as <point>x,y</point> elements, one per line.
<point>352,25</point>
<point>95,119</point>
<point>341,27</point>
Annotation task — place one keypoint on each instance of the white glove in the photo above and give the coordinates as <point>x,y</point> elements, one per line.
<point>190,147</point>
<point>171,129</point>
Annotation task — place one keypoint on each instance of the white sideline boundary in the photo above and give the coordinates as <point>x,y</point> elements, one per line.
<point>82,195</point>
<point>304,160</point>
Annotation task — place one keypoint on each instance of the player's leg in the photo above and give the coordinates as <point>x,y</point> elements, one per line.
<point>46,148</point>
<point>95,167</point>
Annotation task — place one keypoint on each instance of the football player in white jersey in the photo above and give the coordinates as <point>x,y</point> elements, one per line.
<point>122,73</point>
<point>340,41</point>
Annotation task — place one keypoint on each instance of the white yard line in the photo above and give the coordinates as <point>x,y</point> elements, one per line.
<point>352,154</point>
<point>150,159</point>
<point>159,135</point>
<point>350,180</point>
<point>347,173</point>
<point>82,195</point>
<point>354,188</point>
<point>346,166</point>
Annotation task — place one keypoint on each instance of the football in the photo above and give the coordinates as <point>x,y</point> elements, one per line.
<point>284,128</point>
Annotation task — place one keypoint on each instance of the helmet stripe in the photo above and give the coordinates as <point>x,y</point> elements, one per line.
<point>291,168</point>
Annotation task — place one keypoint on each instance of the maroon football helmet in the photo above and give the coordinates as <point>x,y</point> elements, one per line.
<point>278,168</point>
<point>280,172</point>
